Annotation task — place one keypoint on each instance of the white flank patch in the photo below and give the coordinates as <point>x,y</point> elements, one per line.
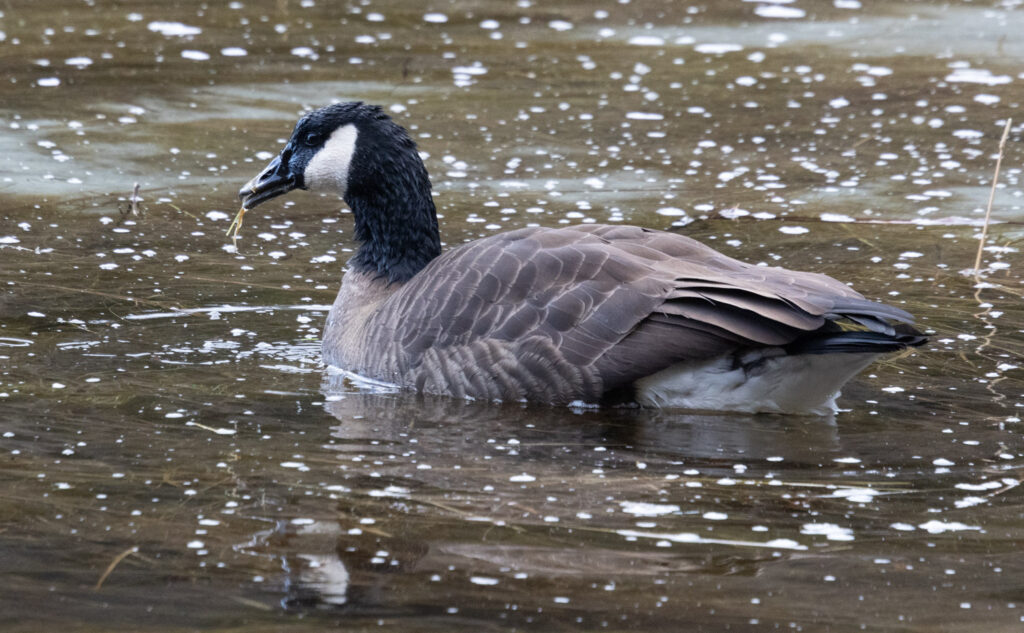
<point>801,384</point>
<point>328,169</point>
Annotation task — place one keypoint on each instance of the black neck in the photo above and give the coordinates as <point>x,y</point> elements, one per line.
<point>396,224</point>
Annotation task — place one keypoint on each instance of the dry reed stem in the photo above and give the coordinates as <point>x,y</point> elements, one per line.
<point>117,559</point>
<point>991,198</point>
<point>236,226</point>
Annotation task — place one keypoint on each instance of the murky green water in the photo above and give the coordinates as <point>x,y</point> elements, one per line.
<point>173,456</point>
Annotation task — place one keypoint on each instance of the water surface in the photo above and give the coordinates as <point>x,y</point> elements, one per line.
<point>173,456</point>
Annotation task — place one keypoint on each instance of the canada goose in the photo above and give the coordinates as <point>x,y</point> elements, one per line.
<point>585,313</point>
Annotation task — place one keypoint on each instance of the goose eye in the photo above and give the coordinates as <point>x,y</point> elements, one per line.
<point>312,139</point>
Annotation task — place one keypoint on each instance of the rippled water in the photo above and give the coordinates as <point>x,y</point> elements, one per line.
<point>174,457</point>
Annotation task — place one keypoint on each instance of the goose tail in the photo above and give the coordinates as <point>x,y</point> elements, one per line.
<point>857,342</point>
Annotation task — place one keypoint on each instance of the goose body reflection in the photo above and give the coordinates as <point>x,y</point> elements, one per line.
<point>585,313</point>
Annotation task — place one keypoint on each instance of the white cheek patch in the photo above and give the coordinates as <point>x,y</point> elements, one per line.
<point>328,169</point>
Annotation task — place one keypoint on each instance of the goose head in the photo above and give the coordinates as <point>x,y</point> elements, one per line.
<point>321,153</point>
<point>356,151</point>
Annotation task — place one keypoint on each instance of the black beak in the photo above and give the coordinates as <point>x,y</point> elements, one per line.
<point>275,180</point>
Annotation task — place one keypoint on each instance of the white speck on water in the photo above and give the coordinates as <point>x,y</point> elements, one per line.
<point>781,13</point>
<point>435,18</point>
<point>846,460</point>
<point>938,527</point>
<point>644,116</point>
<point>646,40</point>
<point>233,51</point>
<point>986,99</point>
<point>323,259</point>
<point>942,461</point>
<point>215,216</point>
<point>9,239</point>
<point>304,51</point>
<point>785,543</point>
<point>856,495</point>
<point>690,537</point>
<point>836,217</point>
<point>483,580</point>
<point>296,465</point>
<point>732,213</point>
<point>839,102</point>
<point>968,134</point>
<point>594,183</point>
<point>489,24</point>
<point>641,509</point>
<point>830,531</point>
<point>48,82</point>
<point>746,80</point>
<point>561,600</point>
<point>967,502</point>
<point>174,29</point>
<point>475,69</point>
<point>794,230</point>
<point>560,25</point>
<point>390,491</point>
<point>78,62</point>
<point>523,478</point>
<point>717,49</point>
<point>375,17</point>
<point>196,544</point>
<point>194,55</point>
<point>671,212</point>
<point>715,516</point>
<point>893,389</point>
<point>302,521</point>
<point>847,4</point>
<point>977,76</point>
<point>988,485</point>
